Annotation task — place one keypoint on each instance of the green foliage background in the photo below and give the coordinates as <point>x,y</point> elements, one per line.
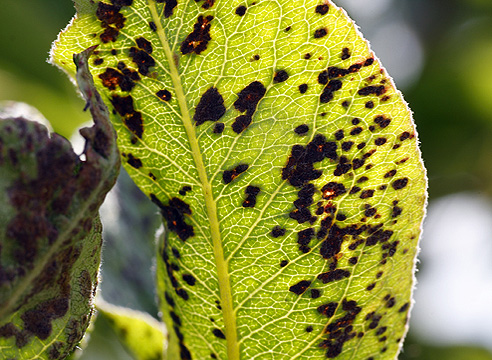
<point>451,100</point>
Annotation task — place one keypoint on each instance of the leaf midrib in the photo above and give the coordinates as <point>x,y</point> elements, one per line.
<point>210,204</point>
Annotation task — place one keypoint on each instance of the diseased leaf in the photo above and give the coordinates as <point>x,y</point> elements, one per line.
<point>142,335</point>
<point>50,234</point>
<point>285,165</point>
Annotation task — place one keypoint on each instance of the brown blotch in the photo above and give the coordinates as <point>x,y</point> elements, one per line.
<point>38,320</point>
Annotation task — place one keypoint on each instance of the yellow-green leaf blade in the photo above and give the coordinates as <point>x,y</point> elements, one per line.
<point>293,226</point>
<point>142,335</point>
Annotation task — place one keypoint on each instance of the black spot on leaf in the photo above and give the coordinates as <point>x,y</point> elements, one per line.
<point>367,194</point>
<point>304,237</point>
<point>340,330</point>
<point>347,145</point>
<point>328,310</point>
<point>164,95</point>
<point>131,118</point>
<point>218,333</point>
<point>303,88</point>
<point>218,128</point>
<point>400,183</point>
<point>300,287</point>
<point>210,107</point>
<point>230,175</point>
<point>241,10</point>
<point>189,279</point>
<point>197,41</point>
<point>322,9</point>
<point>241,123</point>
<point>144,44</point>
<point>277,231</point>
<point>319,33</point>
<point>251,193</point>
<point>299,168</point>
<point>184,190</point>
<point>301,129</point>
<point>382,121</point>
<point>405,135</point>
<point>323,77</point>
<point>280,76</point>
<point>329,90</point>
<point>249,97</point>
<point>334,275</point>
<point>380,141</point>
<point>169,7</point>
<point>174,214</point>
<point>372,90</point>
<point>112,78</point>
<point>332,190</point>
<point>345,54</point>
<point>404,308</point>
<point>142,59</point>
<point>134,162</point>
<point>380,236</point>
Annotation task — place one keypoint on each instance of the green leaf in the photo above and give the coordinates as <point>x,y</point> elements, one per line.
<point>50,234</point>
<point>285,165</point>
<point>142,335</point>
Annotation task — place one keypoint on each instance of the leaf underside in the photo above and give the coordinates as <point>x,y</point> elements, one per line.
<point>284,163</point>
<point>50,233</point>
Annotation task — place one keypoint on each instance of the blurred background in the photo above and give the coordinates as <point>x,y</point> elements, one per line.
<point>440,55</point>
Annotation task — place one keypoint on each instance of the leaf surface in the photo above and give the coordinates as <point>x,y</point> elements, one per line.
<point>50,234</point>
<point>285,165</point>
<point>141,334</point>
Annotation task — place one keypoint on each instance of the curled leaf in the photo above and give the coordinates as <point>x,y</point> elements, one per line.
<point>50,233</point>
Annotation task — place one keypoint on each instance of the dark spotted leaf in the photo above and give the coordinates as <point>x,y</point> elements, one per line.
<point>140,334</point>
<point>284,163</point>
<point>50,233</point>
